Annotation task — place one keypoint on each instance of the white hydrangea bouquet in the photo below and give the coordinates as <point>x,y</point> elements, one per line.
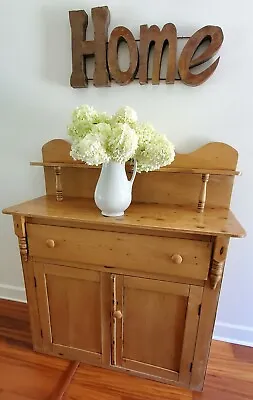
<point>98,138</point>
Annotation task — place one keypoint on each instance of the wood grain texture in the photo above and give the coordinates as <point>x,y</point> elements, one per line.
<point>216,159</point>
<point>81,48</point>
<point>218,261</point>
<point>203,192</point>
<point>78,23</point>
<point>214,35</point>
<point>153,312</point>
<point>129,168</point>
<point>58,184</point>
<point>153,36</point>
<point>157,251</point>
<point>76,332</point>
<point>20,232</point>
<point>190,334</point>
<point>15,322</point>
<point>216,156</point>
<point>206,324</point>
<point>64,383</point>
<point>118,35</point>
<point>229,373</point>
<point>122,250</point>
<point>31,295</point>
<point>152,217</point>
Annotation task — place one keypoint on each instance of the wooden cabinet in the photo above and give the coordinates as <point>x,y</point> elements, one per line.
<point>139,324</point>
<point>74,308</point>
<point>157,332</point>
<point>136,294</point>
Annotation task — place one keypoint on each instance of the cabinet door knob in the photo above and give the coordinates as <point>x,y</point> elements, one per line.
<point>117,314</point>
<point>177,259</point>
<point>50,243</point>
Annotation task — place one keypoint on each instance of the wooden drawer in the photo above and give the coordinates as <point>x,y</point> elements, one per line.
<point>172,256</point>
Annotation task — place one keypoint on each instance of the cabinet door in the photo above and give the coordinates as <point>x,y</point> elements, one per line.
<point>155,326</point>
<point>74,307</point>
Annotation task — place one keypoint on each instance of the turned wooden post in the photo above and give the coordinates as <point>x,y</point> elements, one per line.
<point>19,228</point>
<point>216,272</point>
<point>202,195</point>
<point>58,184</point>
<point>218,261</point>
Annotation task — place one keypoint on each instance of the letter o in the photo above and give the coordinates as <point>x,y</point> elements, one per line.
<point>120,33</point>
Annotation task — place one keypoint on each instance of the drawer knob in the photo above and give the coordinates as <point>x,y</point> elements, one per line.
<point>50,243</point>
<point>177,259</point>
<point>117,314</point>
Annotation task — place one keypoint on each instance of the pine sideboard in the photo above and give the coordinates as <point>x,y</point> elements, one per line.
<point>139,293</point>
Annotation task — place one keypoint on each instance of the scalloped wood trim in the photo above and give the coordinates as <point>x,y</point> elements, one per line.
<point>214,155</point>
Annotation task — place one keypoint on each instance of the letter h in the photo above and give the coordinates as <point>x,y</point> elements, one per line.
<point>81,48</point>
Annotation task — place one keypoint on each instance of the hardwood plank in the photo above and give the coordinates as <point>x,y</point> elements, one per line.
<point>243,353</point>
<point>65,381</point>
<point>228,378</point>
<point>27,374</point>
<point>139,216</point>
<point>14,321</point>
<point>4,395</point>
<point>96,383</point>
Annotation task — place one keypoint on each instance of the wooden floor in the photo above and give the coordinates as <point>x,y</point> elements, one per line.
<point>25,375</point>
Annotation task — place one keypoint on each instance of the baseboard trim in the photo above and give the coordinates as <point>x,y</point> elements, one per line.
<point>238,334</point>
<point>14,293</point>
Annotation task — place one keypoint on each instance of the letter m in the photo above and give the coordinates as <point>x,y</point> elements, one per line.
<point>153,36</point>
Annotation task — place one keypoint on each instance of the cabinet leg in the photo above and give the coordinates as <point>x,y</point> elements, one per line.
<point>65,381</point>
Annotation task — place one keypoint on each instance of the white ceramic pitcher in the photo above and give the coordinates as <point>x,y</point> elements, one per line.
<point>113,194</point>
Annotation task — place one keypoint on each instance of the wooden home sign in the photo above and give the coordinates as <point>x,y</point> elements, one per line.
<point>105,52</point>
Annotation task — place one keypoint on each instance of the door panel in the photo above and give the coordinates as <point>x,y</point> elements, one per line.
<point>73,312</point>
<point>74,307</point>
<point>159,326</point>
<point>148,317</point>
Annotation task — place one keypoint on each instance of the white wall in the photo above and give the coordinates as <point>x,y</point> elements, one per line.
<point>36,102</point>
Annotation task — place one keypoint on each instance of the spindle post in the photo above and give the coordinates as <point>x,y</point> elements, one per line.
<point>20,231</point>
<point>202,195</point>
<point>58,184</point>
<point>114,322</point>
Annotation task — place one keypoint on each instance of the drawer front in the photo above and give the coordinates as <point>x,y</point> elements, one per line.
<point>172,256</point>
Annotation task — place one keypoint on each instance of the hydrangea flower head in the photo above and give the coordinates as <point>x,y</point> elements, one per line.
<point>98,138</point>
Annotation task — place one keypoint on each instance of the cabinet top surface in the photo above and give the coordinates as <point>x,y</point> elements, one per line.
<point>139,216</point>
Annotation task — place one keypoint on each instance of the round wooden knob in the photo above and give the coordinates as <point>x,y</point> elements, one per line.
<point>50,243</point>
<point>177,259</point>
<point>117,314</point>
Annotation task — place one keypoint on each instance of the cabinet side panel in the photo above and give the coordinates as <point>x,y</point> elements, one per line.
<point>207,319</point>
<point>32,301</point>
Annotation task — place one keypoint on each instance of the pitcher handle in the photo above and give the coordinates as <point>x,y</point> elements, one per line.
<point>134,173</point>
